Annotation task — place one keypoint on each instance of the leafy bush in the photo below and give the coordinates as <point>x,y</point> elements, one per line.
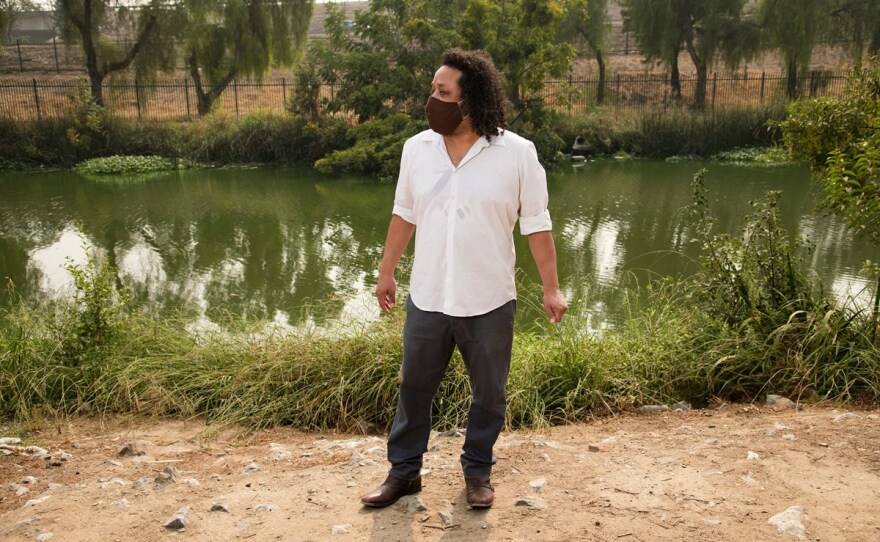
<point>377,148</point>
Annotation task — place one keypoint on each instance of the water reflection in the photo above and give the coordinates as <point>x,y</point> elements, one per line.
<point>292,249</point>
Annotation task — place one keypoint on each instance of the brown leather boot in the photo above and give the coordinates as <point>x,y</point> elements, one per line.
<point>391,490</point>
<point>480,492</point>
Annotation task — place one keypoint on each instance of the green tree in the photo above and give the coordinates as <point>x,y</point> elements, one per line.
<point>382,65</point>
<point>7,14</point>
<point>588,20</point>
<point>703,28</point>
<point>89,21</point>
<point>386,62</point>
<point>225,39</point>
<point>840,138</point>
<point>857,22</point>
<point>794,27</point>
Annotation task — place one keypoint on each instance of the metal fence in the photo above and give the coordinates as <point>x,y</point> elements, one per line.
<point>31,98</point>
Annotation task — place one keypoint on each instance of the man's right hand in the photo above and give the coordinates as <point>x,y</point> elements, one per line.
<point>386,292</point>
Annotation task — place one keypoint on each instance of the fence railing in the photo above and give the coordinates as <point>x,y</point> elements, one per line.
<point>30,99</point>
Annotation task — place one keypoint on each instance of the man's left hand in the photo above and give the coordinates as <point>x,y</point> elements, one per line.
<point>555,305</point>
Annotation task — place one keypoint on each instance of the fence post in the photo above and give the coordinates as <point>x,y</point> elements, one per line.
<point>20,63</point>
<point>186,92</point>
<point>763,74</point>
<point>137,96</point>
<point>37,100</point>
<point>283,93</point>
<point>55,47</point>
<point>235,92</point>
<point>626,43</point>
<point>714,88</point>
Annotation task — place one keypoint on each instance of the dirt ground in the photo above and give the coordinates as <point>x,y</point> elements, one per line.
<point>718,474</point>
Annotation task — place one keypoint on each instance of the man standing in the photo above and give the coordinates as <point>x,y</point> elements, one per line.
<point>463,185</point>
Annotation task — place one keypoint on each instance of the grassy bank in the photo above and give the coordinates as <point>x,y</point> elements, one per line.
<point>348,381</point>
<point>335,146</point>
<point>749,323</point>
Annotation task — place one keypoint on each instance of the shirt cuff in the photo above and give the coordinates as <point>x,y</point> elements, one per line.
<point>533,224</point>
<point>404,213</point>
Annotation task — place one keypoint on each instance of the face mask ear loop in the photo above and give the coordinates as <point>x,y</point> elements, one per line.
<point>463,109</point>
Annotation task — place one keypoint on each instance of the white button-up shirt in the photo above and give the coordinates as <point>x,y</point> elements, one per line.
<point>464,217</point>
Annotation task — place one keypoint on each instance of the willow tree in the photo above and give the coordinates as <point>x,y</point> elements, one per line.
<point>588,20</point>
<point>7,12</point>
<point>857,23</point>
<point>794,27</point>
<point>226,39</point>
<point>91,22</point>
<point>705,29</point>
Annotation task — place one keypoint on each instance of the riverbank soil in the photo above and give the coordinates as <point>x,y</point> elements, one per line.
<point>719,474</point>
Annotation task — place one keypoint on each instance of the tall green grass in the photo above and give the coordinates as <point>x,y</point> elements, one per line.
<point>749,323</point>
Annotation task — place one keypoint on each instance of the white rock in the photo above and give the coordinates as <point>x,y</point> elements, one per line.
<point>531,502</point>
<point>749,480</point>
<point>279,452</point>
<point>340,529</point>
<point>446,518</point>
<point>18,526</point>
<point>712,441</point>
<point>10,440</point>
<point>219,507</point>
<point>753,456</point>
<point>179,520</point>
<point>789,437</point>
<point>790,521</point>
<point>121,502</point>
<point>412,503</point>
<point>34,502</point>
<point>251,468</point>
<point>266,507</point>
<point>538,484</point>
<point>846,416</point>
<point>28,480</point>
<point>19,490</point>
<point>42,537</point>
<point>134,448</point>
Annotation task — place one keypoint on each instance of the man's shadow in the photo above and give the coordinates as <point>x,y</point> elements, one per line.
<point>395,523</point>
<point>469,522</point>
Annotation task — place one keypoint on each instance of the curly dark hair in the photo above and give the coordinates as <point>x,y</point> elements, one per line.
<point>482,86</point>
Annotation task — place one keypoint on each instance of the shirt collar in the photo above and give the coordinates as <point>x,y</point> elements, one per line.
<point>430,136</point>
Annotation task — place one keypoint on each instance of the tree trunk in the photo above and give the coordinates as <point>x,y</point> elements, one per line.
<point>600,90</point>
<point>96,78</point>
<point>675,80</point>
<point>874,46</point>
<point>791,85</point>
<point>206,97</point>
<point>96,81</point>
<point>702,75</point>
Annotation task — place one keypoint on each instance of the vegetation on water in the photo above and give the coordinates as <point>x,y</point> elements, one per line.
<point>128,165</point>
<point>748,324</point>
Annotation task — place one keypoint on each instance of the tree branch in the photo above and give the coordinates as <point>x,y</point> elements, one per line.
<point>122,64</point>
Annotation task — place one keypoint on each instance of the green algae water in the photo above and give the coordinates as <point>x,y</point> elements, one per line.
<point>291,247</point>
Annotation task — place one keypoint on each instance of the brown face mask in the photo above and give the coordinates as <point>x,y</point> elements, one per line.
<point>443,117</point>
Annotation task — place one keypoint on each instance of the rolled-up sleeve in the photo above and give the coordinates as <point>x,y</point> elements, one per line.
<point>403,197</point>
<point>533,199</point>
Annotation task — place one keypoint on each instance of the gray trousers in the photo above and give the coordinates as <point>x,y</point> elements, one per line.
<point>485,343</point>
